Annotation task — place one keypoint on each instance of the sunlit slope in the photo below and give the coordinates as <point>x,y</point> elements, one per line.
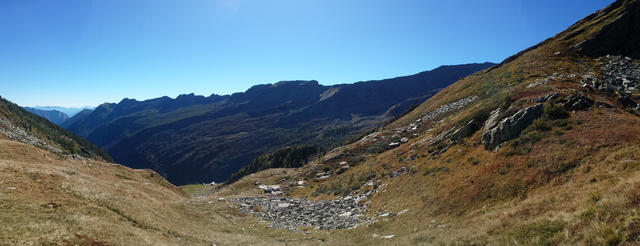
<point>542,149</point>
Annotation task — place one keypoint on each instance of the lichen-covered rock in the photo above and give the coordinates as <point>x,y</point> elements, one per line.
<point>493,120</point>
<point>510,127</point>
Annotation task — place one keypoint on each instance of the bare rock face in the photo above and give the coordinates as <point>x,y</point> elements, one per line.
<point>510,127</point>
<point>619,37</point>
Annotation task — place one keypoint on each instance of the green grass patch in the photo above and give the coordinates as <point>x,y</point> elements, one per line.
<point>538,233</point>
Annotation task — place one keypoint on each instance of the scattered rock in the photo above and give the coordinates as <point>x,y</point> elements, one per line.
<point>291,213</point>
<point>271,189</point>
<point>554,77</point>
<point>398,172</point>
<point>617,74</point>
<point>449,107</point>
<point>18,134</point>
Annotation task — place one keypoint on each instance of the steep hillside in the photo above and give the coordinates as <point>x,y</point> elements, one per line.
<point>55,116</point>
<point>193,139</point>
<point>543,149</point>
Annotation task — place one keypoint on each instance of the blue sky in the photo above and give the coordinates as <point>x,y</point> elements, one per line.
<point>86,52</point>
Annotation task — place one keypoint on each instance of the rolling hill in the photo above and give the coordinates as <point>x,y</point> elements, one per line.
<point>195,139</point>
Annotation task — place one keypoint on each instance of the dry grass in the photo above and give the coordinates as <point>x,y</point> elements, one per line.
<point>49,201</point>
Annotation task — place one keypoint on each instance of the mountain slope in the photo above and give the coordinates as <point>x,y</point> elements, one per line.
<point>543,149</point>
<point>193,139</point>
<point>56,117</point>
<point>20,125</point>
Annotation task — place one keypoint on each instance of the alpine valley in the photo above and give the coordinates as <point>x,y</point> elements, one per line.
<point>541,149</point>
<point>195,139</point>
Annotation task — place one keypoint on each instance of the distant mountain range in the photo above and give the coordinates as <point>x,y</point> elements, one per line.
<point>193,139</point>
<point>70,111</point>
<point>57,115</point>
<point>54,116</point>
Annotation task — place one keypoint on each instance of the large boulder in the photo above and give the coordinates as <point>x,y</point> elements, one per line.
<point>510,127</point>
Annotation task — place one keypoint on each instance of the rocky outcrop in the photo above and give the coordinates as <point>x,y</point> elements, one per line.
<point>508,128</point>
<point>292,213</point>
<point>577,102</point>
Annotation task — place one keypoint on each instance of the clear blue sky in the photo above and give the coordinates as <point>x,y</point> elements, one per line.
<point>85,52</point>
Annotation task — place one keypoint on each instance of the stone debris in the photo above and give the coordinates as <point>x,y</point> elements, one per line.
<point>271,189</point>
<point>291,213</point>
<point>448,107</point>
<point>617,74</point>
<point>553,77</point>
<point>18,134</point>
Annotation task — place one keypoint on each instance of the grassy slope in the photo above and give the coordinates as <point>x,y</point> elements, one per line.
<point>49,201</point>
